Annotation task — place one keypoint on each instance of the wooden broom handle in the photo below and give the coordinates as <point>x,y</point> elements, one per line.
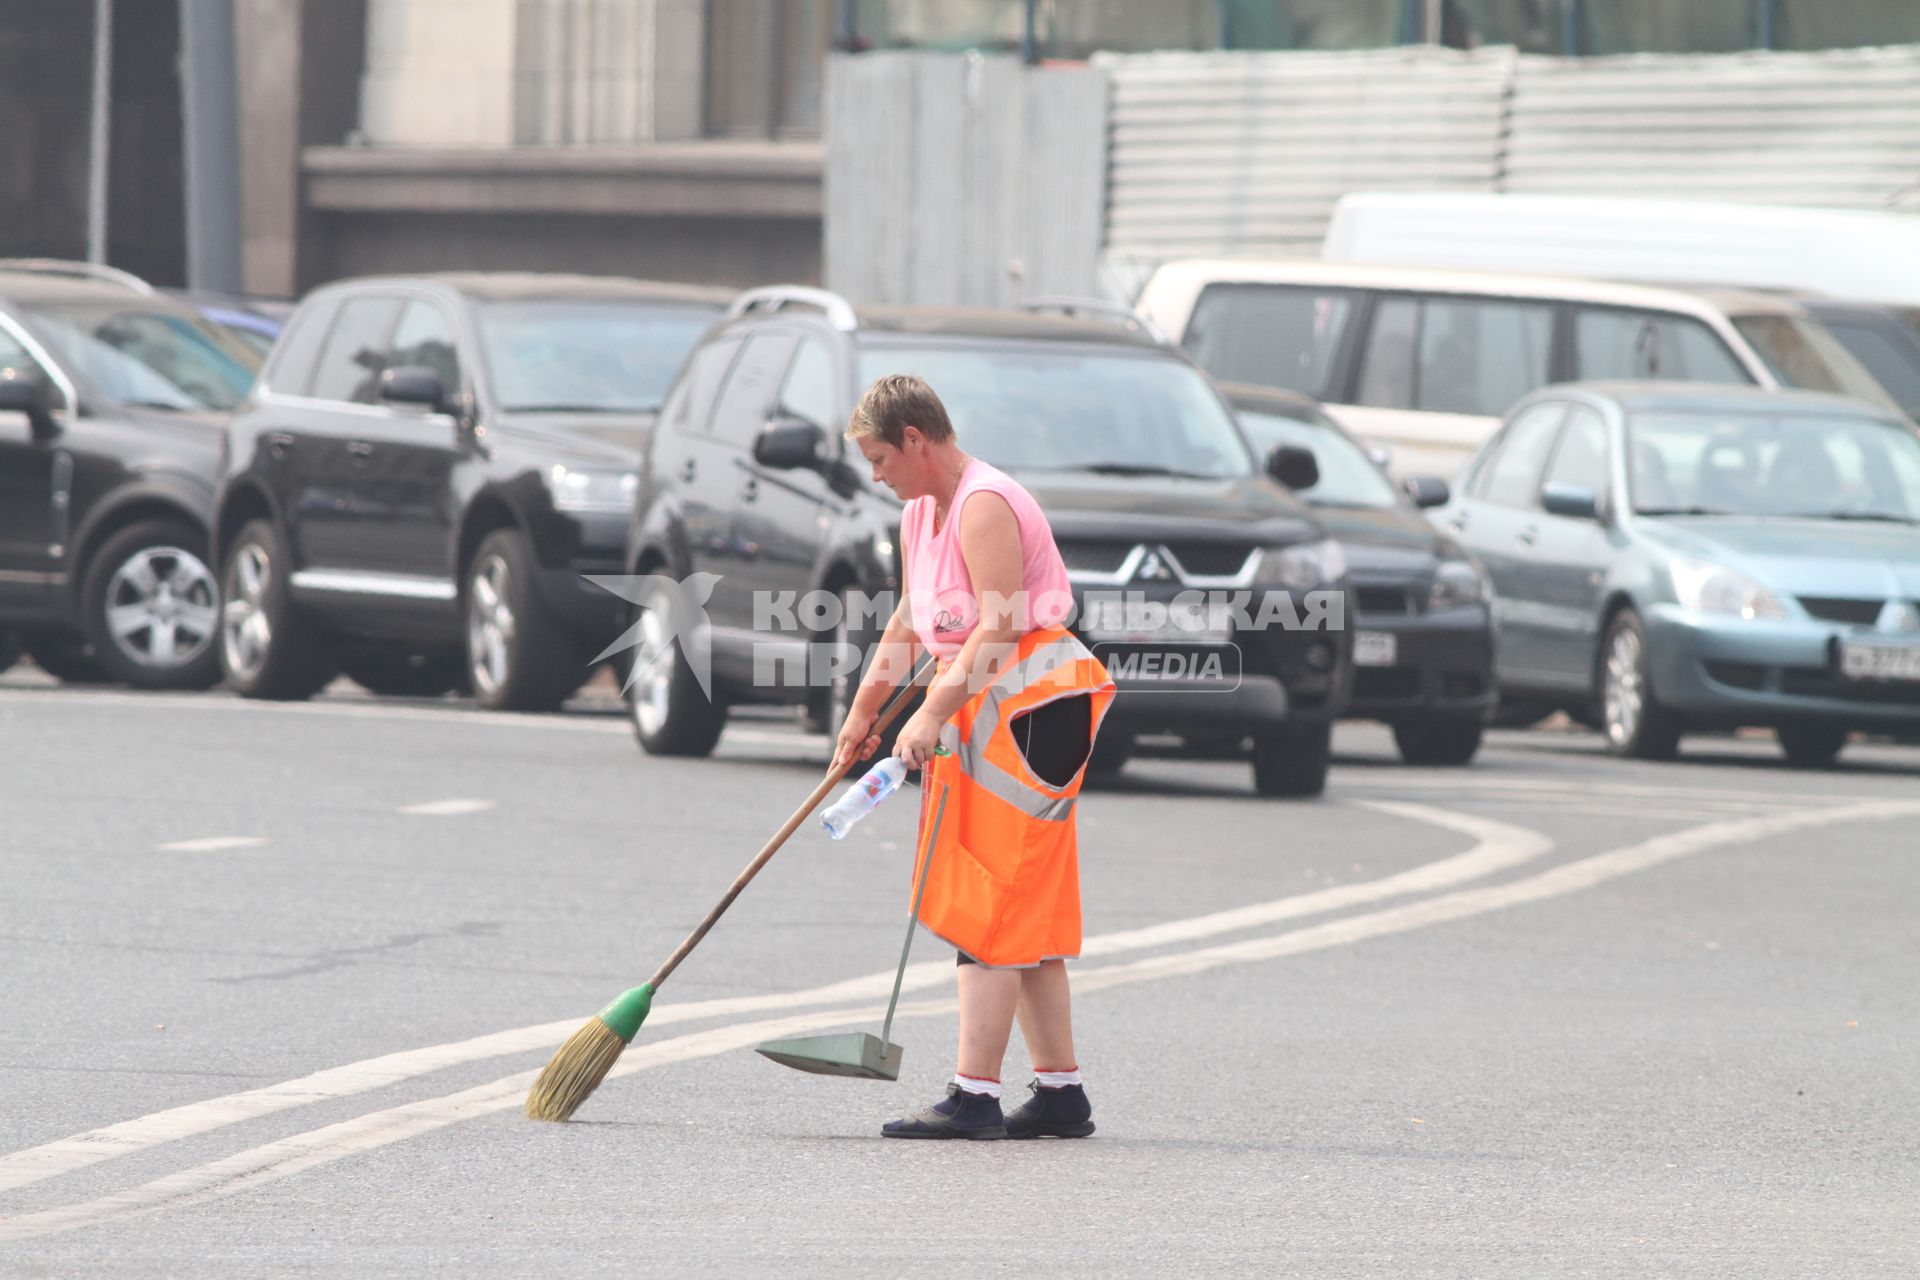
<point>887,716</point>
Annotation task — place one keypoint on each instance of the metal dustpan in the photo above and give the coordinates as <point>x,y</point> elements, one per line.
<point>859,1054</point>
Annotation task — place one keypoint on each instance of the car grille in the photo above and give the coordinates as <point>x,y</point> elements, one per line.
<point>1085,555</point>
<point>1839,609</point>
<point>1819,683</point>
<point>1211,559</point>
<point>1384,602</point>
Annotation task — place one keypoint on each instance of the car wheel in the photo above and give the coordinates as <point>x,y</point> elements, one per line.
<point>267,649</point>
<point>396,673</point>
<point>671,715</point>
<point>1441,740</point>
<point>1633,720</point>
<point>150,607</point>
<point>64,656</point>
<point>1811,746</point>
<point>1292,761</point>
<point>1112,748</point>
<point>518,657</point>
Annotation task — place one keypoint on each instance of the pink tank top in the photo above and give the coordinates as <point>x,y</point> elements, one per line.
<point>939,589</point>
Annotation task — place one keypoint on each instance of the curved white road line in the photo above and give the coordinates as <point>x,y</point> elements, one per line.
<point>288,1156</point>
<point>1499,847</point>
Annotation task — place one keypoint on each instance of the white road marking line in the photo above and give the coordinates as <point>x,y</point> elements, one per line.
<point>448,808</point>
<point>273,1161</point>
<point>1498,846</point>
<point>372,711</point>
<point>1393,778</point>
<point>210,844</point>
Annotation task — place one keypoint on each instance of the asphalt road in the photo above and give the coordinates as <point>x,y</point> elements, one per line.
<point>273,980</point>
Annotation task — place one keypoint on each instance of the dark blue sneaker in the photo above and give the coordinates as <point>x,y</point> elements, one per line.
<point>1052,1113</point>
<point>958,1115</point>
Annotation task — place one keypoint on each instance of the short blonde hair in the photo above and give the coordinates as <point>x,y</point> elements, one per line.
<point>896,402</point>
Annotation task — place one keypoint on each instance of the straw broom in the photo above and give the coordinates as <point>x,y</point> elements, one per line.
<point>589,1053</point>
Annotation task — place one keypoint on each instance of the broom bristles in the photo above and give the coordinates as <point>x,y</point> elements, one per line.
<point>575,1072</point>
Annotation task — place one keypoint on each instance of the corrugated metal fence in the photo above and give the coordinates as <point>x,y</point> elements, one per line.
<point>962,180</point>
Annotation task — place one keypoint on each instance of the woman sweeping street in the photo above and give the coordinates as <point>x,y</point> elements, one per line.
<point>1004,734</point>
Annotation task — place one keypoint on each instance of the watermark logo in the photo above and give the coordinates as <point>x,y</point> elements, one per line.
<point>1146,638</point>
<point>674,615</point>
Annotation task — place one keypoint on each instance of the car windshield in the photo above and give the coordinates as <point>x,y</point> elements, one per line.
<point>150,357</point>
<point>587,357</point>
<point>1801,353</point>
<point>1052,407</point>
<point>1348,478</point>
<point>1826,466</point>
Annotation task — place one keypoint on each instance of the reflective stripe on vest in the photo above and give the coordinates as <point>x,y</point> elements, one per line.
<point>1047,658</point>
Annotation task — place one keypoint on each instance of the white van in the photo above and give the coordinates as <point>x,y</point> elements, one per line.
<point>1846,253</point>
<point>1424,363</point>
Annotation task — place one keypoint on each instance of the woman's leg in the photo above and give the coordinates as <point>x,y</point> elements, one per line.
<point>987,1000</point>
<point>1046,1016</point>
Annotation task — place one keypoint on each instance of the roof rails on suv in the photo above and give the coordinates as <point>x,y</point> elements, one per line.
<point>1099,309</point>
<point>839,311</point>
<point>76,271</point>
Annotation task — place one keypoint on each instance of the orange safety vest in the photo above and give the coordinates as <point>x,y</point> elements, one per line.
<point>1003,879</point>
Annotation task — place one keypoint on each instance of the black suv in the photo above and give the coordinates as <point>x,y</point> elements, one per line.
<point>426,469</point>
<point>1151,488</point>
<point>112,401</point>
<point>1422,613</point>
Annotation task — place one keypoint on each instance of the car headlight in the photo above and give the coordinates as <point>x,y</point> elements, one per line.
<point>579,489</point>
<point>1303,566</point>
<point>1457,583</point>
<point>1711,588</point>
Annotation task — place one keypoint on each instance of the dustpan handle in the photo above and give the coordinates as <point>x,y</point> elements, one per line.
<point>892,710</point>
<point>926,865</point>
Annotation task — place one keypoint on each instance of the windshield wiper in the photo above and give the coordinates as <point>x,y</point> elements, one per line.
<point>1887,516</point>
<point>1134,469</point>
<point>1679,511</point>
<point>580,408</point>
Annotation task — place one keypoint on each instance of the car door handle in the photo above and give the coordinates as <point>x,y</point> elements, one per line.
<point>360,450</point>
<point>1528,536</point>
<point>1459,523</point>
<point>688,471</point>
<point>750,489</point>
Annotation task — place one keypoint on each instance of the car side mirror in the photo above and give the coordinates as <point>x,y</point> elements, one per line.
<point>1576,502</point>
<point>787,443</point>
<point>1426,491</point>
<point>28,394</point>
<point>417,385</point>
<point>1294,467</point>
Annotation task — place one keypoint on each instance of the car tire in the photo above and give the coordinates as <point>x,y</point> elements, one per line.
<point>64,656</point>
<point>1439,740</point>
<point>1811,746</point>
<point>396,673</point>
<point>1631,717</point>
<point>150,607</point>
<point>671,715</point>
<point>268,649</point>
<point>1292,762</point>
<point>518,658</point>
<point>1112,748</point>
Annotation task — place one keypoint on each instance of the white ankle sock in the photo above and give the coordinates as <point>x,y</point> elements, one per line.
<point>1057,1079</point>
<point>978,1084</point>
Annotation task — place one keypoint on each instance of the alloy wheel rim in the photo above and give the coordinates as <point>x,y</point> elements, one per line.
<point>1625,696</point>
<point>651,692</point>
<point>162,607</point>
<point>245,630</point>
<point>489,626</point>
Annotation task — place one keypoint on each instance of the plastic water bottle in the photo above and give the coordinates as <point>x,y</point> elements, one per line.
<point>863,797</point>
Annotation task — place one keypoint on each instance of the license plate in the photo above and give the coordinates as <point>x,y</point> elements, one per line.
<point>1375,648</point>
<point>1880,661</point>
<point>1156,621</point>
